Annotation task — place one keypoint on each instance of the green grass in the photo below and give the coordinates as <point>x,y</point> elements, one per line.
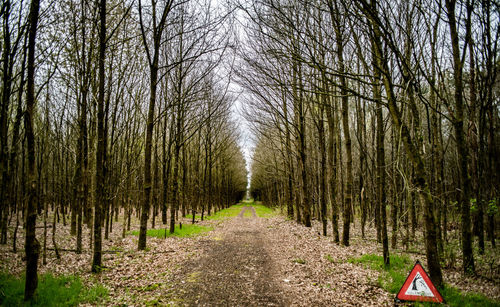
<point>392,279</point>
<point>220,215</point>
<point>264,211</point>
<point>52,291</point>
<point>330,258</point>
<point>261,210</point>
<point>248,213</point>
<point>190,216</point>
<point>226,213</point>
<point>299,261</point>
<point>187,230</point>
<point>455,297</point>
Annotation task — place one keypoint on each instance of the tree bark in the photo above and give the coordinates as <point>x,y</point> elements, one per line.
<point>462,149</point>
<point>339,40</point>
<point>332,162</point>
<point>32,246</point>
<point>381,191</point>
<point>153,67</point>
<point>100,180</point>
<point>322,170</point>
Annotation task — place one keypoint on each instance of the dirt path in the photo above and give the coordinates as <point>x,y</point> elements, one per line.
<point>236,269</point>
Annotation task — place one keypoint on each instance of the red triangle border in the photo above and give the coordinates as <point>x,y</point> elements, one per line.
<point>401,296</point>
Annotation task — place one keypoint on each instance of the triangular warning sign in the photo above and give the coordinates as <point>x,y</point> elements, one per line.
<point>418,287</point>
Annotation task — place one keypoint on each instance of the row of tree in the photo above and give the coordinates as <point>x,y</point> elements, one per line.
<point>126,110</point>
<point>369,105</point>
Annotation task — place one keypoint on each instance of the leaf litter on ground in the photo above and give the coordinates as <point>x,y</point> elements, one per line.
<point>324,276</point>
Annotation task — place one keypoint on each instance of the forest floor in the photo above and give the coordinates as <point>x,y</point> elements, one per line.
<point>250,259</point>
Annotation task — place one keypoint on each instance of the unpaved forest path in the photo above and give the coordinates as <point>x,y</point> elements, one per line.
<point>236,269</point>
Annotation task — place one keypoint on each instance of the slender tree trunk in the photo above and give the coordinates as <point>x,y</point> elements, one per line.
<point>288,163</point>
<point>14,235</point>
<point>381,191</point>
<point>395,199</point>
<point>45,216</point>
<point>164,173</point>
<point>339,39</point>
<point>361,127</point>
<point>5,194</point>
<point>146,201</point>
<point>322,170</point>
<point>462,149</point>
<point>349,176</point>
<point>32,246</point>
<point>299,111</point>
<point>474,153</point>
<point>332,162</point>
<point>436,145</point>
<point>56,249</point>
<point>100,179</point>
<point>153,67</point>
<point>175,187</point>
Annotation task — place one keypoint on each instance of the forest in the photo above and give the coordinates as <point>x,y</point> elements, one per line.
<point>150,147</point>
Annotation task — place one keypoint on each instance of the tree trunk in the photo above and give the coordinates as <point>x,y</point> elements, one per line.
<point>288,163</point>
<point>381,191</point>
<point>322,170</point>
<point>339,39</point>
<point>153,67</point>
<point>4,122</point>
<point>32,246</point>
<point>56,249</point>
<point>462,149</point>
<point>332,162</point>
<point>100,179</point>
<point>175,187</point>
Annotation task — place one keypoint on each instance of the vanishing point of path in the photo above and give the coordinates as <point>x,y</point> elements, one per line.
<point>236,269</point>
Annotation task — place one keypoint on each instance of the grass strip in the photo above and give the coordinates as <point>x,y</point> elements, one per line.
<point>188,230</point>
<point>260,210</point>
<point>220,215</point>
<point>264,211</point>
<point>226,213</point>
<point>248,213</point>
<point>52,291</point>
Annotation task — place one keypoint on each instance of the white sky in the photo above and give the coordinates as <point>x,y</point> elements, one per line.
<point>246,139</point>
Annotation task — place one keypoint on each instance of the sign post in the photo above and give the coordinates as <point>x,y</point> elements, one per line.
<point>418,287</point>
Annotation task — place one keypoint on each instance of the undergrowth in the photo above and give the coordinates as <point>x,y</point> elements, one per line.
<point>219,215</point>
<point>391,279</point>
<point>248,213</point>
<point>226,213</point>
<point>260,210</point>
<point>190,216</point>
<point>264,211</point>
<point>52,291</point>
<point>187,230</point>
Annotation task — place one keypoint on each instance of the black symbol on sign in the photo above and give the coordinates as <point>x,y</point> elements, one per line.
<point>414,283</point>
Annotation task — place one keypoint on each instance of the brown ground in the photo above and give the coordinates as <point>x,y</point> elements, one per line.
<point>245,261</point>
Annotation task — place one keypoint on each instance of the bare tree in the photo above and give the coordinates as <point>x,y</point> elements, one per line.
<point>32,246</point>
<point>153,56</point>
